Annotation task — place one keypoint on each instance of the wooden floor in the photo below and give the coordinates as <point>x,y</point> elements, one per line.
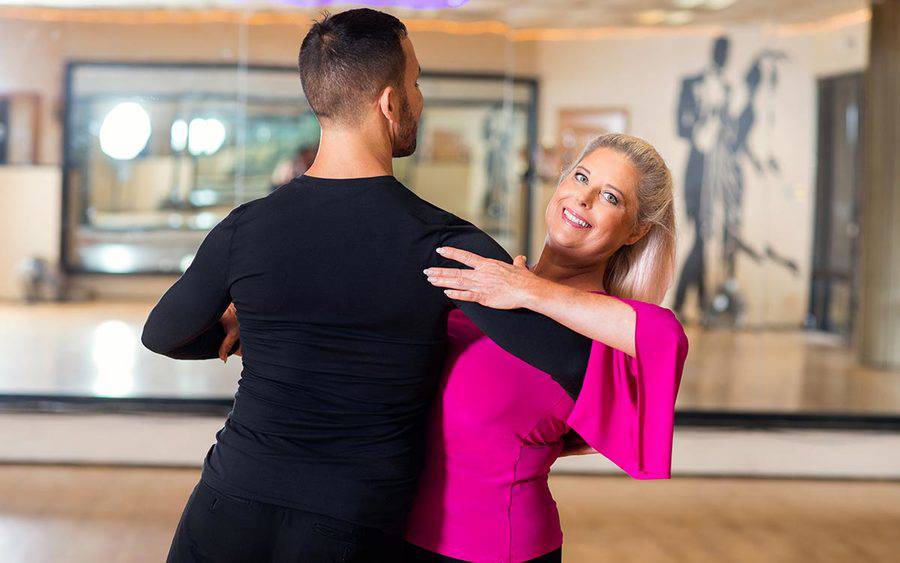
<point>66,514</point>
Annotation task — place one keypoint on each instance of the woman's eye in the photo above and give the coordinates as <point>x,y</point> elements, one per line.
<point>611,198</point>
<point>581,177</point>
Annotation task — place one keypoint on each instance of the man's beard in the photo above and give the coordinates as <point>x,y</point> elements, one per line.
<point>408,129</point>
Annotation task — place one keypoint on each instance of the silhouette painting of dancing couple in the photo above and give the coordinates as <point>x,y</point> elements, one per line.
<point>714,180</point>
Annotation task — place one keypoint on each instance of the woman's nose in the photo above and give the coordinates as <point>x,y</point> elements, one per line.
<point>584,200</point>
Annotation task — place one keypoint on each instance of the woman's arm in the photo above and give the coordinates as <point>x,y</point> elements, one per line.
<point>599,317</point>
<point>499,285</point>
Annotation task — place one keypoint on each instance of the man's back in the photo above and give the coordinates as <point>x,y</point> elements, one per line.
<point>342,344</point>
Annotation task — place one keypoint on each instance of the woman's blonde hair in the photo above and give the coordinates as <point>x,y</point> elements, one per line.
<point>643,270</point>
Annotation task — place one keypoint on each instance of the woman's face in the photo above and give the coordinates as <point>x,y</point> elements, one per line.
<point>594,209</point>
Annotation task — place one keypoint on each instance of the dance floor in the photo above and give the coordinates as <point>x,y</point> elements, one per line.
<point>89,514</point>
<point>94,350</point>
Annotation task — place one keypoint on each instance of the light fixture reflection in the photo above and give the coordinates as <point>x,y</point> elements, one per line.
<point>117,258</point>
<point>205,136</point>
<point>178,135</point>
<point>185,262</point>
<point>112,350</point>
<point>125,131</point>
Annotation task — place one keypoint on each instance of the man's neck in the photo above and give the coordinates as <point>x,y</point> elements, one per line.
<point>346,153</point>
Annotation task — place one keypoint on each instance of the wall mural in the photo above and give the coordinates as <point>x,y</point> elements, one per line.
<point>714,179</point>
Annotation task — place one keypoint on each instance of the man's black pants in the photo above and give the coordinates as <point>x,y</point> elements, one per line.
<point>221,528</point>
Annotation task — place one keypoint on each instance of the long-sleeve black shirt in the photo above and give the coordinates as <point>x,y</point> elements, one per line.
<point>343,341</point>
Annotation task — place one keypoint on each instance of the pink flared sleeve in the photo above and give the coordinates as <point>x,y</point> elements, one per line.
<point>626,408</point>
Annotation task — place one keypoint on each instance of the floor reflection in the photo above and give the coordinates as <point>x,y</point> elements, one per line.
<point>94,349</point>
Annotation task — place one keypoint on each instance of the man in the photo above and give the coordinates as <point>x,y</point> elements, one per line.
<point>342,336</point>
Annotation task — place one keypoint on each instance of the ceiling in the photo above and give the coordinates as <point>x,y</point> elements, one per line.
<point>519,14</point>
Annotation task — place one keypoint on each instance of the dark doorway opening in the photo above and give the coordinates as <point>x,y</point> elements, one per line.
<point>4,130</point>
<point>833,288</point>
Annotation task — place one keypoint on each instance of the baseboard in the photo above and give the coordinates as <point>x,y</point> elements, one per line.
<point>179,440</point>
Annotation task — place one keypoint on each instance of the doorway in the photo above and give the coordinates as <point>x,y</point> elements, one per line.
<point>833,289</point>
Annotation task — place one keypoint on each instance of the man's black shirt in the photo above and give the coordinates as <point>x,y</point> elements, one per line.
<point>343,341</point>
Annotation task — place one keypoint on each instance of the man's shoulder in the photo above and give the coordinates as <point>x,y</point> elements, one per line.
<point>429,213</point>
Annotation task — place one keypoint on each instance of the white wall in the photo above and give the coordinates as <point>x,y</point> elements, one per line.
<point>31,195</point>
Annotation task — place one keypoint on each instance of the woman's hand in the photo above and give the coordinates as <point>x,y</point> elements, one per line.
<point>232,328</point>
<point>491,283</point>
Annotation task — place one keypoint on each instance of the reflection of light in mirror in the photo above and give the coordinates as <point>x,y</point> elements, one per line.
<point>125,131</point>
<point>178,136</point>
<point>175,221</point>
<point>205,136</point>
<point>201,198</point>
<point>205,220</point>
<point>117,258</point>
<point>112,350</point>
<point>186,262</point>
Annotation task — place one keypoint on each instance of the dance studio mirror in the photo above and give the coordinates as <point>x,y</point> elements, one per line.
<point>154,124</point>
<point>158,153</point>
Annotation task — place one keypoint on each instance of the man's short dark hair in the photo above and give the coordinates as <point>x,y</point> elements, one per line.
<point>346,59</point>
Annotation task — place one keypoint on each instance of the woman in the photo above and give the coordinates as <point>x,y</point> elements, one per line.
<point>608,258</point>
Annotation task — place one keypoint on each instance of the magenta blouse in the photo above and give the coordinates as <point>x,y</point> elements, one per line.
<point>498,426</point>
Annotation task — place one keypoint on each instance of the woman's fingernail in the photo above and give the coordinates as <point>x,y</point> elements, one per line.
<point>431,280</point>
<point>440,250</point>
<point>426,271</point>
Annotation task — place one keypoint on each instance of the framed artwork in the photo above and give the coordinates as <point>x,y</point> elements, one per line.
<point>577,126</point>
<point>19,127</point>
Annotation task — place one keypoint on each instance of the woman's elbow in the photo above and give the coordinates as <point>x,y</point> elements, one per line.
<point>669,330</point>
<point>676,335</point>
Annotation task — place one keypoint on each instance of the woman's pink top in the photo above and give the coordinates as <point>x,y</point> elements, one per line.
<point>498,426</point>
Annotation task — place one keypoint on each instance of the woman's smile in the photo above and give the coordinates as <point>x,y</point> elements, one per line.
<point>575,220</point>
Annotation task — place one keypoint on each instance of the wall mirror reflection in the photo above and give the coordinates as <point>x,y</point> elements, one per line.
<point>156,154</point>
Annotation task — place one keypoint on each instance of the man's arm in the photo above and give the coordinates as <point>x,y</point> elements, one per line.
<point>532,337</point>
<point>184,324</point>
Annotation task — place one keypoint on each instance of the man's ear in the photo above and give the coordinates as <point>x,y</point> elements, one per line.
<point>387,104</point>
<point>638,233</point>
